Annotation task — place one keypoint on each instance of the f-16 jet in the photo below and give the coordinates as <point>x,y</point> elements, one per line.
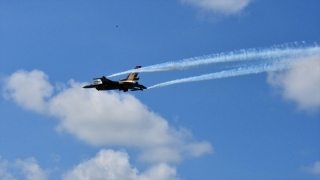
<point>131,82</point>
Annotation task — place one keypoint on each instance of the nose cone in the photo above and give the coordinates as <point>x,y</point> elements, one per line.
<point>88,86</point>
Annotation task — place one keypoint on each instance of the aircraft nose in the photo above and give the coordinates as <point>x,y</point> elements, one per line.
<point>87,86</point>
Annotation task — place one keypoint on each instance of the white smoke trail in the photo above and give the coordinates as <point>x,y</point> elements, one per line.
<point>230,73</point>
<point>276,52</point>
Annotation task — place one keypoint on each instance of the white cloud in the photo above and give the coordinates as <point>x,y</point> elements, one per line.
<point>28,89</point>
<point>4,173</point>
<point>29,169</point>
<point>109,164</point>
<point>227,7</point>
<point>161,171</point>
<point>106,165</point>
<point>313,169</point>
<point>105,118</point>
<point>301,83</point>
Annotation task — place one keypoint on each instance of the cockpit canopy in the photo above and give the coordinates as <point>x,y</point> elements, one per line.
<point>97,81</point>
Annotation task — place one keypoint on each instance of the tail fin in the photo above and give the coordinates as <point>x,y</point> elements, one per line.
<point>133,76</point>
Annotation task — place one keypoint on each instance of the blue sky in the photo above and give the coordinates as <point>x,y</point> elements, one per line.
<point>257,126</point>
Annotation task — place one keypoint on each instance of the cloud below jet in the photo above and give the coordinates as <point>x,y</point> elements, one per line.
<point>104,118</point>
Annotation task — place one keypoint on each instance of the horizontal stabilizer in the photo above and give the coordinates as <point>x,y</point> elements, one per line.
<point>142,86</point>
<point>136,89</point>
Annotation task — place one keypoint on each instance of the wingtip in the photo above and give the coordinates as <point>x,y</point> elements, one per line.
<point>137,67</point>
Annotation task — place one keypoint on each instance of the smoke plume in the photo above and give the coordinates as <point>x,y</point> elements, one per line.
<point>273,53</point>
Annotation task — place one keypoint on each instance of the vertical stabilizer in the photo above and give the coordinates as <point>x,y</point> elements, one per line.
<point>133,76</point>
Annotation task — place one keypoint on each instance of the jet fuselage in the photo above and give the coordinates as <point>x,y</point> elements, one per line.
<point>122,85</point>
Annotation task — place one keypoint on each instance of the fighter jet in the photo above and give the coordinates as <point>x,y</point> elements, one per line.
<point>122,85</point>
